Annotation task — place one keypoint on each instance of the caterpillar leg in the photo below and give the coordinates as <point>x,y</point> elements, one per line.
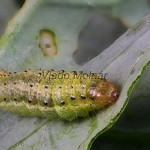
<point>66,113</point>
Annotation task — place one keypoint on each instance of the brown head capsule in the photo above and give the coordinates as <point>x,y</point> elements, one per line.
<point>104,93</point>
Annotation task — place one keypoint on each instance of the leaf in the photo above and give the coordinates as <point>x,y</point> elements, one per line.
<point>124,61</point>
<point>131,130</point>
<point>127,11</point>
<point>6,15</point>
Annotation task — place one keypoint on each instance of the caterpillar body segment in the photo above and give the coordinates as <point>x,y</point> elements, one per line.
<point>54,94</point>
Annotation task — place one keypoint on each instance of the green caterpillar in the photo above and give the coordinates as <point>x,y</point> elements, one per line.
<point>54,94</point>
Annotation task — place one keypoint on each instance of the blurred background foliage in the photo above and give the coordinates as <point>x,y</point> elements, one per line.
<point>132,130</point>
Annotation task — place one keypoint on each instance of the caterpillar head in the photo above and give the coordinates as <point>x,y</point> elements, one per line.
<point>104,93</point>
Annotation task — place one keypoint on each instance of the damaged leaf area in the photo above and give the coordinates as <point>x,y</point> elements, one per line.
<point>47,42</point>
<point>36,38</point>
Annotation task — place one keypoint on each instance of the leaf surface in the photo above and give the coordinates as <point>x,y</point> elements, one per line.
<point>124,61</point>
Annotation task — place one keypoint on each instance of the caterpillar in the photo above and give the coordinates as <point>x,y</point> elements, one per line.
<point>54,94</point>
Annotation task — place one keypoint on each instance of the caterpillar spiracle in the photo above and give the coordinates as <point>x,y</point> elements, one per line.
<point>54,94</point>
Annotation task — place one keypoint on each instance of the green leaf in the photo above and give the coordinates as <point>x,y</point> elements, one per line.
<point>132,129</point>
<point>130,11</point>
<point>124,61</point>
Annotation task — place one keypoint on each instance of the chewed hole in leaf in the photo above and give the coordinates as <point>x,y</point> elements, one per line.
<point>47,42</point>
<point>20,2</point>
<point>99,32</point>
